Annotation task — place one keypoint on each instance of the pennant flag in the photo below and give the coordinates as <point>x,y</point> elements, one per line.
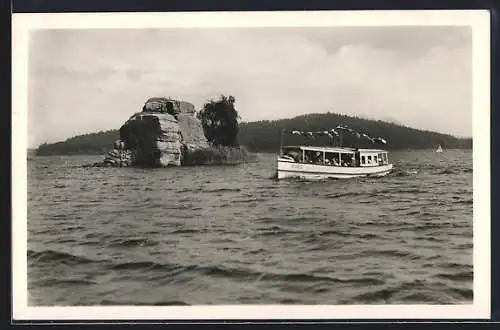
<point>367,137</point>
<point>332,132</point>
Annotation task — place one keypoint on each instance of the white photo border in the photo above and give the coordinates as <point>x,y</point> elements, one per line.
<point>478,20</point>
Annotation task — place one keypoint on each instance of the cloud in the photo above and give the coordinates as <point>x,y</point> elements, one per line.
<point>87,80</point>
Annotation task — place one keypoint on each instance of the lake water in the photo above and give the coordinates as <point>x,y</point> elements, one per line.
<point>232,235</point>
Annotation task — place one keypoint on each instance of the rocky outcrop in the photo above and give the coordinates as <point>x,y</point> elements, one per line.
<point>158,136</point>
<point>191,130</point>
<point>118,157</point>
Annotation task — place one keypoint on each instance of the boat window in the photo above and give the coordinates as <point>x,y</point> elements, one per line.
<point>294,154</point>
<point>369,159</point>
<point>318,157</point>
<point>308,156</point>
<point>332,158</point>
<point>347,159</point>
<point>375,159</point>
<point>313,157</point>
<point>363,160</point>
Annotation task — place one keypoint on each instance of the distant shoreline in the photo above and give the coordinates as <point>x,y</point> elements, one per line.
<point>265,136</point>
<point>33,154</point>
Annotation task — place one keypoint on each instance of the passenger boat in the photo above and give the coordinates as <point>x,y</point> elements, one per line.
<point>319,162</point>
<point>308,162</point>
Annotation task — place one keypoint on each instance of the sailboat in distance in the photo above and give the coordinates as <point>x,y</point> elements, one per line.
<point>439,149</point>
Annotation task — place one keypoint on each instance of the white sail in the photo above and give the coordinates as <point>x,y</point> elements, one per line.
<point>439,149</point>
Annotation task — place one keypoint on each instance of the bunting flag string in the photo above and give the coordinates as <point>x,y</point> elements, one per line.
<point>334,132</point>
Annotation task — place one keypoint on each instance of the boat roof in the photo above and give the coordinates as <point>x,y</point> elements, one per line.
<point>316,148</point>
<point>334,149</point>
<point>372,150</point>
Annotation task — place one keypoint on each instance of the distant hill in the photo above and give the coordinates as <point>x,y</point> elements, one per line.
<point>264,136</point>
<point>92,144</point>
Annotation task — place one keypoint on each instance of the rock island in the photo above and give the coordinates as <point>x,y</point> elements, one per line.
<point>167,133</point>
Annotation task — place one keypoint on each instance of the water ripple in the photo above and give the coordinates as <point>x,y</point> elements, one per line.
<point>229,235</point>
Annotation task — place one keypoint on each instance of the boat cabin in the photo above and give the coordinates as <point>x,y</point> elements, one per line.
<point>335,156</point>
<point>372,157</point>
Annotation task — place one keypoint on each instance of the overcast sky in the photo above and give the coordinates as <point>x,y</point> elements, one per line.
<point>82,81</point>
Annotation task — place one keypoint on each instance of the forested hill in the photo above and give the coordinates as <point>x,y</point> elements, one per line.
<point>264,136</point>
<point>93,143</point>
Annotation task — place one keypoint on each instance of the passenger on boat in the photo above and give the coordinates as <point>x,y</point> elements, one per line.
<point>295,156</point>
<point>317,158</point>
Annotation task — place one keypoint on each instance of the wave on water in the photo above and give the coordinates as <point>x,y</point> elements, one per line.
<point>222,190</point>
<point>411,292</point>
<point>206,235</point>
<point>131,242</point>
<point>107,302</point>
<point>49,256</point>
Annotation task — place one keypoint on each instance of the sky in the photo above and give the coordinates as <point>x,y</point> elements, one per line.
<point>88,80</point>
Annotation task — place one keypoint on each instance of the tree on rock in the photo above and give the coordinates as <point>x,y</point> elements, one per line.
<point>220,121</point>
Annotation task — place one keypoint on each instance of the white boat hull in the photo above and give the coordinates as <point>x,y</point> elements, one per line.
<point>287,169</point>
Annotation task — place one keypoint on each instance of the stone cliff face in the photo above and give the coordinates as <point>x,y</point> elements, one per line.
<point>158,136</point>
